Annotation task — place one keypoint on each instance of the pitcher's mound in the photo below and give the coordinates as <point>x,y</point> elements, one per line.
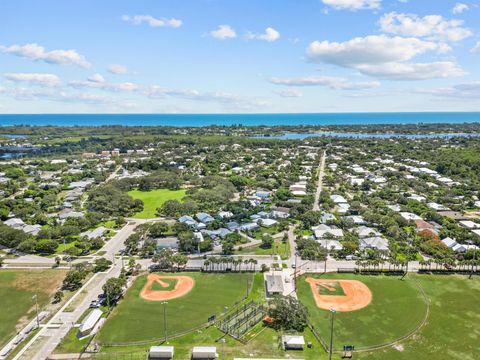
<point>341,295</point>
<point>166,287</point>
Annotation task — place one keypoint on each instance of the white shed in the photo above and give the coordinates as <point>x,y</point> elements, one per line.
<point>161,352</point>
<point>204,352</point>
<point>89,323</point>
<point>293,342</point>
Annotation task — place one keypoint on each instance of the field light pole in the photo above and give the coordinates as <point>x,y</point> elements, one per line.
<point>223,351</point>
<point>333,311</point>
<point>470,242</point>
<point>35,297</point>
<point>164,303</point>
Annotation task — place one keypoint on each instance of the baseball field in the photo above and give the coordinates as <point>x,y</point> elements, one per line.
<point>17,287</point>
<point>139,316</point>
<point>393,309</point>
<point>452,330</point>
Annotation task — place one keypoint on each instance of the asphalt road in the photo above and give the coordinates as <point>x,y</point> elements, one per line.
<point>58,326</point>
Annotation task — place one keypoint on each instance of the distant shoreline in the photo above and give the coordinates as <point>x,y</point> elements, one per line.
<point>280,119</point>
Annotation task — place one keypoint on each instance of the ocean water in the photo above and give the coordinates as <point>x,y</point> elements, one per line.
<point>238,119</point>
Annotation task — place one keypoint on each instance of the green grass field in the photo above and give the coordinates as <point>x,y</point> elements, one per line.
<point>136,319</point>
<point>397,307</point>
<point>334,288</point>
<point>16,290</point>
<point>156,286</point>
<point>452,331</point>
<point>154,199</point>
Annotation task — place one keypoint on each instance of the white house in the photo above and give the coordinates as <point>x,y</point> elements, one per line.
<point>377,243</point>
<point>330,244</point>
<point>365,232</point>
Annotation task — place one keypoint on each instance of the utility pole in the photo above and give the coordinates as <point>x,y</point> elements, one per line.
<point>164,303</point>
<point>333,312</point>
<point>35,297</point>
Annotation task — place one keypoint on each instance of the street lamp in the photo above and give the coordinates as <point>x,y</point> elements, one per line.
<point>333,312</point>
<point>35,297</point>
<point>470,242</point>
<point>164,303</point>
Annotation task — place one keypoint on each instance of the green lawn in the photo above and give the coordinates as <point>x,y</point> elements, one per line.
<point>452,331</point>
<point>136,319</point>
<point>16,290</point>
<point>278,248</point>
<point>265,345</point>
<point>154,199</point>
<point>397,307</point>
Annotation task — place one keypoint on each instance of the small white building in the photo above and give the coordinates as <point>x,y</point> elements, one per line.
<point>273,284</point>
<point>89,322</point>
<point>204,352</point>
<point>293,342</point>
<point>161,352</point>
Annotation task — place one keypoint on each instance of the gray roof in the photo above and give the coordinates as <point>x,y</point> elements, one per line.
<point>274,283</point>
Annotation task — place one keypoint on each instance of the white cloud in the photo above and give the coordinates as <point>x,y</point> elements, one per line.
<point>373,49</point>
<point>232,100</point>
<point>96,78</point>
<point>460,8</point>
<point>49,80</point>
<point>37,53</point>
<point>414,71</point>
<point>117,69</point>
<point>102,85</point>
<point>464,91</point>
<point>153,22</point>
<point>476,48</point>
<point>269,35</point>
<point>433,27</point>
<point>334,83</point>
<point>289,93</point>
<point>353,5</point>
<point>385,57</point>
<point>223,32</point>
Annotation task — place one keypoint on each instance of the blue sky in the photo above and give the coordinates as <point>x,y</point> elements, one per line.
<point>238,56</point>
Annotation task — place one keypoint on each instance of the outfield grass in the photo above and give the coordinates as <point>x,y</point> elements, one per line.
<point>16,290</point>
<point>154,199</point>
<point>397,308</point>
<point>136,319</point>
<point>452,331</point>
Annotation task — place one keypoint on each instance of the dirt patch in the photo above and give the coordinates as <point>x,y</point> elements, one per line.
<point>47,282</point>
<point>182,287</point>
<point>356,294</point>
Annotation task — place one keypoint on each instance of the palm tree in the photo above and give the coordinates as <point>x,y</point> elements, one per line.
<point>254,262</point>
<point>206,264</point>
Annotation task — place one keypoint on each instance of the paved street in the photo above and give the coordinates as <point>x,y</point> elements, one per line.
<point>58,326</point>
<point>321,174</point>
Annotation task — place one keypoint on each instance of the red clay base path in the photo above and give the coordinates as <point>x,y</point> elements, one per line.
<point>357,294</point>
<point>183,286</point>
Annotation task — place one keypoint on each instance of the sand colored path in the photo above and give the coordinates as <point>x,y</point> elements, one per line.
<point>183,286</point>
<point>357,295</point>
